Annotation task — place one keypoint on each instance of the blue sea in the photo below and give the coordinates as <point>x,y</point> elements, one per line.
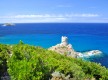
<point>82,36</point>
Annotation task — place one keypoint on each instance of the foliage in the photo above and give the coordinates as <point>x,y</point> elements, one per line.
<point>3,58</point>
<point>35,63</point>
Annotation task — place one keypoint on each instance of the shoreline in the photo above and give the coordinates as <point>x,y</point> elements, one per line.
<point>65,48</point>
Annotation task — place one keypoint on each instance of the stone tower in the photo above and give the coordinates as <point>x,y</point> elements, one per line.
<point>64,41</point>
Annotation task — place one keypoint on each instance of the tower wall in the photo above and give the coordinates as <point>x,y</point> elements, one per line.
<point>64,40</point>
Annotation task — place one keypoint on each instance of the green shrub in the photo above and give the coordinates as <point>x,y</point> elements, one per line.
<point>35,63</point>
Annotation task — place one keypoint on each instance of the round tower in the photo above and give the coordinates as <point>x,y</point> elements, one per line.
<point>64,41</point>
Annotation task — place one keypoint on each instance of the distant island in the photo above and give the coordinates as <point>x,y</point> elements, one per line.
<point>67,49</point>
<point>8,24</point>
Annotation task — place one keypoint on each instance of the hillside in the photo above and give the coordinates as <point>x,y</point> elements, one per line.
<point>25,62</point>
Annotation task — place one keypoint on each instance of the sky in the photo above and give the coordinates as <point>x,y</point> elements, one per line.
<point>61,11</point>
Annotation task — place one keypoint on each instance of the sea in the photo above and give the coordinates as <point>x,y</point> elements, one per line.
<point>82,36</point>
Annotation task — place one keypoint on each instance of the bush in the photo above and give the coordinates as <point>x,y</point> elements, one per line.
<point>35,63</point>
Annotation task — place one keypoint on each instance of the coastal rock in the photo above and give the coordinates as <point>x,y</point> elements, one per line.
<point>66,49</point>
<point>92,53</point>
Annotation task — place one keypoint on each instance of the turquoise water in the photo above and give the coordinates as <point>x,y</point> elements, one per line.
<point>83,37</point>
<point>79,42</point>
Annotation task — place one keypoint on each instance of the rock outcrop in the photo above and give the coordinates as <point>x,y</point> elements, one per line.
<point>65,48</point>
<point>60,76</point>
<point>89,53</point>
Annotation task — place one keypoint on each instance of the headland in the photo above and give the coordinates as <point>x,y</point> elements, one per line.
<point>65,48</point>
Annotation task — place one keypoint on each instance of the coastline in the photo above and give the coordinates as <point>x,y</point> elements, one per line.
<point>64,48</point>
<point>83,37</point>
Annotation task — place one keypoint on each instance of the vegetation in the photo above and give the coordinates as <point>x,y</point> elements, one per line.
<point>25,62</point>
<point>4,55</point>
